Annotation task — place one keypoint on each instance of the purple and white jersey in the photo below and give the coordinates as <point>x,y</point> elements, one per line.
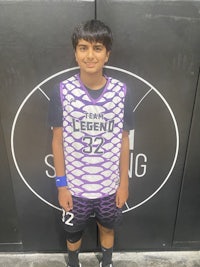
<point>92,133</point>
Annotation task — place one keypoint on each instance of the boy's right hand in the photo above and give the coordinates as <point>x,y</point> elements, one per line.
<point>65,198</point>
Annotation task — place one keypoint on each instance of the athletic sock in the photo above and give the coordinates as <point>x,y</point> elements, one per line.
<point>107,256</point>
<point>73,260</point>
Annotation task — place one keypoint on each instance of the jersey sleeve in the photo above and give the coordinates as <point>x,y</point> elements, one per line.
<point>128,112</point>
<point>55,112</point>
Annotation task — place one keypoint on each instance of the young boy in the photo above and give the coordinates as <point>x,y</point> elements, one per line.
<point>90,142</point>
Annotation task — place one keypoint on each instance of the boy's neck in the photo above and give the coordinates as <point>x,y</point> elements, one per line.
<point>93,81</point>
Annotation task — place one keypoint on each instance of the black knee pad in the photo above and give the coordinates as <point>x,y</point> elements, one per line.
<point>74,237</point>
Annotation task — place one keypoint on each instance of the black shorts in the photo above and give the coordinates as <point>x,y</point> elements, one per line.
<point>104,209</point>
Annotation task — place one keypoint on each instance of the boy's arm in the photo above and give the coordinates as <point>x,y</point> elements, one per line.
<point>122,191</point>
<point>64,195</point>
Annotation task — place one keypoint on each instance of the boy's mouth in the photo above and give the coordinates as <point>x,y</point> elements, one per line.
<point>90,64</point>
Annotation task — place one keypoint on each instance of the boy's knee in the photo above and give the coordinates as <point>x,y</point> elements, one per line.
<point>105,230</point>
<point>74,237</point>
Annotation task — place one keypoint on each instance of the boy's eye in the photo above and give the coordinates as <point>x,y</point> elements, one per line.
<point>98,48</point>
<point>82,48</point>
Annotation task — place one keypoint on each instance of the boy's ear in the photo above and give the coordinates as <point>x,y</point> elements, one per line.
<point>107,56</point>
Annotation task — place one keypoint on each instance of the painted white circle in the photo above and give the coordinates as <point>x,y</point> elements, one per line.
<point>38,87</point>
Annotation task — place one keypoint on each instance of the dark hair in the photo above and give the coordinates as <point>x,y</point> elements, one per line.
<point>93,31</point>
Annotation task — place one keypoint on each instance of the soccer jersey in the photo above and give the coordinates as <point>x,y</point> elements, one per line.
<point>92,132</point>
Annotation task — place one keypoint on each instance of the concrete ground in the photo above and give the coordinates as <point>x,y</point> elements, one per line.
<point>133,259</point>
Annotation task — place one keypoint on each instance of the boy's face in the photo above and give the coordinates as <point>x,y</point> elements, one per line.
<point>91,57</point>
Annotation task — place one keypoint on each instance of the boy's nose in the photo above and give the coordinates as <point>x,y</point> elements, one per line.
<point>90,53</point>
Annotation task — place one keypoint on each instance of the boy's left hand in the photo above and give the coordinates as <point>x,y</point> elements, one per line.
<point>121,196</point>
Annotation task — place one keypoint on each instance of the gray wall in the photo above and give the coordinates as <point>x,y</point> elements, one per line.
<point>156,52</point>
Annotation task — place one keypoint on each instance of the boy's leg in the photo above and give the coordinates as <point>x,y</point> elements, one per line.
<point>108,217</point>
<point>74,223</point>
<point>73,253</point>
<point>74,246</point>
<point>107,242</point>
<point>106,236</point>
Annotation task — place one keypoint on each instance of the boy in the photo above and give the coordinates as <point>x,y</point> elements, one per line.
<point>90,143</point>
